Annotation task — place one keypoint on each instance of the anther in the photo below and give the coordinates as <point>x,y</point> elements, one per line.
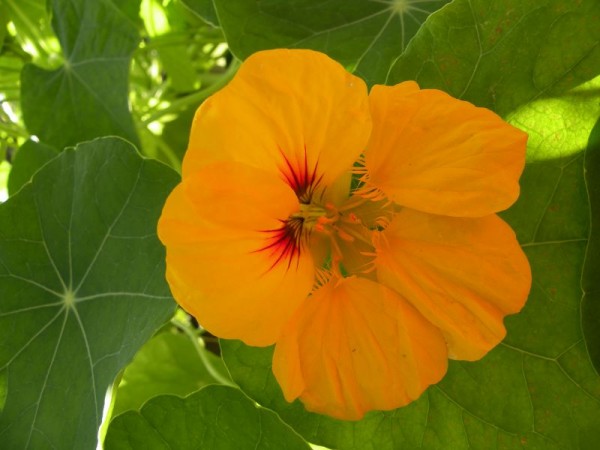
<point>344,236</point>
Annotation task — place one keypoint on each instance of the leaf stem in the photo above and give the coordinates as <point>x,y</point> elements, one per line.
<point>202,353</point>
<point>195,98</point>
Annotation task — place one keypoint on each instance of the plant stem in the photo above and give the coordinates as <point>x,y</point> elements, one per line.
<point>195,98</point>
<point>202,353</point>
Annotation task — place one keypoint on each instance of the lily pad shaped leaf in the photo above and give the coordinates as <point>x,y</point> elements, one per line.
<point>366,35</point>
<point>81,289</point>
<point>169,363</point>
<point>215,418</point>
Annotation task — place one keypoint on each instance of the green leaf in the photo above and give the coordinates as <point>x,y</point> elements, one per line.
<point>82,288</point>
<point>87,96</point>
<point>177,65</point>
<point>216,418</point>
<point>4,19</point>
<point>205,9</point>
<point>30,157</point>
<point>537,64</point>
<point>504,55</point>
<point>167,364</point>
<point>590,304</point>
<point>366,36</point>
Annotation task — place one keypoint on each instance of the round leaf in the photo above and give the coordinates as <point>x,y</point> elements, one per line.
<point>82,288</point>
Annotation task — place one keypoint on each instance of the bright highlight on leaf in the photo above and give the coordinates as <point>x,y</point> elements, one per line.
<point>356,232</point>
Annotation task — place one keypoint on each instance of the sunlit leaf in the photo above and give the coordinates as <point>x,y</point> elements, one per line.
<point>365,35</point>
<point>167,364</point>
<point>31,20</point>
<point>216,418</point>
<point>537,64</point>
<point>82,288</point>
<point>87,96</point>
<point>178,66</point>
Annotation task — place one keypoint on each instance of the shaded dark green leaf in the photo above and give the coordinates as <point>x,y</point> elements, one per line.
<point>365,36</point>
<point>590,305</point>
<point>82,288</point>
<point>167,364</point>
<point>30,157</point>
<point>216,418</point>
<point>205,9</point>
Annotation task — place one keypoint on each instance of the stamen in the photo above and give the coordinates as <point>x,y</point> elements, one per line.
<point>322,277</point>
<point>370,193</point>
<point>353,218</point>
<point>343,235</point>
<point>353,202</point>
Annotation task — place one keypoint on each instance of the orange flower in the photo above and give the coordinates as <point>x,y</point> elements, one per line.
<point>356,232</point>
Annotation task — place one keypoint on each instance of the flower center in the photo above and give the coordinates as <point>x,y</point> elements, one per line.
<point>339,238</point>
<point>340,242</point>
<point>316,217</point>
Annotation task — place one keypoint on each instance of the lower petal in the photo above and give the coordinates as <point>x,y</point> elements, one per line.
<point>356,346</point>
<point>463,275</point>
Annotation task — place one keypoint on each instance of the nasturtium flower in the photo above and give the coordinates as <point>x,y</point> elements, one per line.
<point>357,232</point>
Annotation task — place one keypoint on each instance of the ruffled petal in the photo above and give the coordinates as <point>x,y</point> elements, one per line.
<point>464,275</point>
<point>221,264</point>
<point>356,346</point>
<point>296,113</point>
<point>434,153</point>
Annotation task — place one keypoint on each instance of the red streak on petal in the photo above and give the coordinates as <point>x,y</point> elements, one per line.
<point>302,179</point>
<point>284,243</point>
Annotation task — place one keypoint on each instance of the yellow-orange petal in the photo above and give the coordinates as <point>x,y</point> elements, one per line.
<point>434,153</point>
<point>463,274</point>
<point>356,346</point>
<point>297,113</point>
<point>221,266</point>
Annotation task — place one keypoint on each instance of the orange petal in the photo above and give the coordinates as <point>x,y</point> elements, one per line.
<point>464,275</point>
<point>220,266</point>
<point>296,113</point>
<point>356,346</point>
<point>434,153</point>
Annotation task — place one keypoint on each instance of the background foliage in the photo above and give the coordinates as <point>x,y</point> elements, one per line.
<point>91,346</point>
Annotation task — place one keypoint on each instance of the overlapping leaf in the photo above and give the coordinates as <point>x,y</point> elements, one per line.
<point>216,418</point>
<point>82,288</point>
<point>87,96</point>
<point>535,63</point>
<point>167,364</point>
<point>205,9</point>
<point>365,35</point>
<point>30,157</point>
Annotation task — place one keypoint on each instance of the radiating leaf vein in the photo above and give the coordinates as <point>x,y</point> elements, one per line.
<point>39,400</point>
<point>112,225</point>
